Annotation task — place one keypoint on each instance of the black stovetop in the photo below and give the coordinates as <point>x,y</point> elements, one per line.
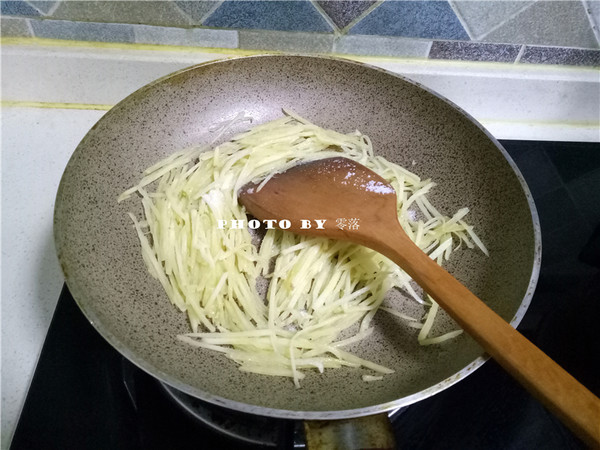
<point>85,395</point>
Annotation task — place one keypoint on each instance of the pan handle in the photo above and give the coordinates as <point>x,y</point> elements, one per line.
<point>369,432</point>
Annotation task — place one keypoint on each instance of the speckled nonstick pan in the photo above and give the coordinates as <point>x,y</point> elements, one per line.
<point>100,253</point>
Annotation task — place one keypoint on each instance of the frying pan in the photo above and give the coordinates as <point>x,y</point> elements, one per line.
<point>408,124</point>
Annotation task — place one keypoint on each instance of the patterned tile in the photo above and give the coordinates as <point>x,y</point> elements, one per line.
<point>192,37</point>
<point>197,10</point>
<point>134,12</point>
<point>561,23</point>
<point>382,46</point>
<point>557,55</point>
<point>286,42</point>
<point>474,51</point>
<point>18,8</point>
<point>481,17</point>
<point>343,12</point>
<point>294,15</point>
<point>574,159</point>
<point>419,18</point>
<point>14,27</point>
<point>83,31</point>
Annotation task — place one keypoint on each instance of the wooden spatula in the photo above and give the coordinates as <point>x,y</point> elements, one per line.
<point>339,188</point>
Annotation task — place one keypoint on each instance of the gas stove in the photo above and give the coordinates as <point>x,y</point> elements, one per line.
<point>85,395</point>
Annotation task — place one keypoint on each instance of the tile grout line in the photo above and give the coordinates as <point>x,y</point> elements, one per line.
<point>42,13</point>
<point>361,16</point>
<point>334,28</point>
<point>210,12</point>
<point>429,47</point>
<point>520,54</point>
<point>54,8</point>
<point>30,26</point>
<point>505,21</point>
<point>594,25</point>
<point>336,32</point>
<point>181,13</point>
<point>334,44</point>
<point>462,20</point>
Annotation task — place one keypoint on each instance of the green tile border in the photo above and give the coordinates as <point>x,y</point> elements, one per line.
<point>286,41</point>
<point>15,26</point>
<point>192,37</point>
<point>382,46</point>
<point>83,31</point>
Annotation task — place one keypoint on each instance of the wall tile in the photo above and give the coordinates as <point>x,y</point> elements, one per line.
<point>343,12</point>
<point>18,8</point>
<point>420,19</point>
<point>558,55</point>
<point>197,10</point>
<point>295,15</point>
<point>481,17</point>
<point>382,46</point>
<point>135,12</point>
<point>83,31</point>
<point>44,6</point>
<point>194,37</point>
<point>14,27</point>
<point>562,23</point>
<point>286,42</point>
<point>553,32</point>
<point>474,51</point>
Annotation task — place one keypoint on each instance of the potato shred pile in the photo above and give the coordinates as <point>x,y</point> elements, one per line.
<point>322,294</point>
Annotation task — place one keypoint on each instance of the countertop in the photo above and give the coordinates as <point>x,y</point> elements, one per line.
<point>52,95</point>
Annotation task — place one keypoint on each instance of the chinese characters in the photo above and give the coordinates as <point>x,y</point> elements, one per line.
<point>347,224</point>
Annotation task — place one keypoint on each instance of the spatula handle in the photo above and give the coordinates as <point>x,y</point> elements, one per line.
<point>575,405</point>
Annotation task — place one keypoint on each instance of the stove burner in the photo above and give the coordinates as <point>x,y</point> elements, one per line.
<point>247,428</point>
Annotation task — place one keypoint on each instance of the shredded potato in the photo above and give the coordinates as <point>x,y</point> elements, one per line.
<point>317,287</point>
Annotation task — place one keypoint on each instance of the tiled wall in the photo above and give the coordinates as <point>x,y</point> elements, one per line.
<point>547,32</point>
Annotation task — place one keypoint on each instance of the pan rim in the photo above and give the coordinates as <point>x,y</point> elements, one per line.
<point>317,414</point>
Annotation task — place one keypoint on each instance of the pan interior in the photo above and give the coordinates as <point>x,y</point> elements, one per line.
<point>100,254</point>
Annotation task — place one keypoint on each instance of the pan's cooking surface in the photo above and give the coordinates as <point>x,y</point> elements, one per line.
<point>81,380</point>
<point>100,255</point>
